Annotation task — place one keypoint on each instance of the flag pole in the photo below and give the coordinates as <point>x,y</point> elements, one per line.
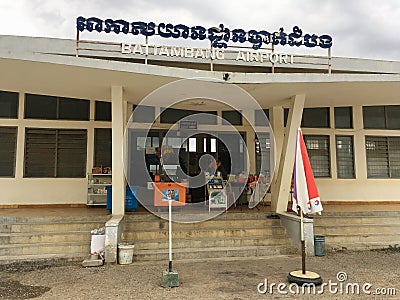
<point>306,196</point>
<point>169,277</point>
<point>303,244</point>
<point>170,235</point>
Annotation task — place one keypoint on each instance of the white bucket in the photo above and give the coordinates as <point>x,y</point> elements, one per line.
<point>125,254</point>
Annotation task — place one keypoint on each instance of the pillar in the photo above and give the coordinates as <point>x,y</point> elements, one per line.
<point>278,128</point>
<point>282,179</point>
<point>118,178</point>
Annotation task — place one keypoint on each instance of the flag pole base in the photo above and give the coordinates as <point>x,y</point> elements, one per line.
<point>169,279</point>
<point>309,277</point>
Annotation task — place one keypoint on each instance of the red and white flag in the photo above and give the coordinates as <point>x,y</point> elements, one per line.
<point>305,193</point>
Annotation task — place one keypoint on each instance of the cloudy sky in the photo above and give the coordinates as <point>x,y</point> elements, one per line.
<point>360,28</point>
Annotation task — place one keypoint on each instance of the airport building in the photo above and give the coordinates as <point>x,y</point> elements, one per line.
<point>65,105</point>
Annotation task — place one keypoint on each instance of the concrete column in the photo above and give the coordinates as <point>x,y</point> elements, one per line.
<point>250,139</point>
<point>90,139</point>
<point>20,151</point>
<point>157,112</point>
<point>118,112</point>
<point>276,120</point>
<point>282,179</point>
<point>360,155</point>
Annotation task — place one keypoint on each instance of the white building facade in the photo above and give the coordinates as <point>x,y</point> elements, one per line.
<point>63,114</point>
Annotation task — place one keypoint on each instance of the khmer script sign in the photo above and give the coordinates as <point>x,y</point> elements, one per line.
<point>219,37</point>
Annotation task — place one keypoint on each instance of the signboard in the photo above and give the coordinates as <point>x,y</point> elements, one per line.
<point>201,53</point>
<point>252,46</point>
<point>218,36</point>
<point>188,124</point>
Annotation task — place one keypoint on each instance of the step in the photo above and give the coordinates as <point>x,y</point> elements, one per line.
<point>211,242</point>
<point>202,253</point>
<point>40,259</point>
<point>356,238</point>
<point>224,216</point>
<point>334,220</point>
<point>48,237</point>
<point>77,248</point>
<point>204,233</point>
<point>359,246</point>
<point>373,213</point>
<point>357,229</point>
<point>54,219</point>
<point>50,227</point>
<point>218,224</point>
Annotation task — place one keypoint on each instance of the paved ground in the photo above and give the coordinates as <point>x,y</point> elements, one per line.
<point>217,279</point>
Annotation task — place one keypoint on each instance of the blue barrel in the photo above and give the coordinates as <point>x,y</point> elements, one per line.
<point>319,245</point>
<point>131,195</point>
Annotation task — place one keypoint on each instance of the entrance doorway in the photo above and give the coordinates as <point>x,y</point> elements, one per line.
<point>222,147</point>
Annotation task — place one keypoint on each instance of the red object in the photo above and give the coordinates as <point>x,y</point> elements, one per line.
<point>159,187</point>
<point>305,194</point>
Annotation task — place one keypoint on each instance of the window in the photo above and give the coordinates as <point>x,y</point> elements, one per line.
<point>173,115</point>
<point>55,153</point>
<point>102,147</point>
<point>8,105</point>
<point>345,157</point>
<point>381,117</point>
<point>192,145</point>
<point>263,150</point>
<point>318,152</point>
<point>8,141</point>
<point>259,117</point>
<point>233,117</point>
<point>344,117</point>
<point>383,156</point>
<point>312,117</point>
<point>316,118</point>
<point>40,107</point>
<point>213,145</point>
<point>56,108</point>
<point>143,114</point>
<point>73,109</point>
<point>102,111</point>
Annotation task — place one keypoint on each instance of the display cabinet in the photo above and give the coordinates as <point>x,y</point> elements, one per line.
<point>97,192</point>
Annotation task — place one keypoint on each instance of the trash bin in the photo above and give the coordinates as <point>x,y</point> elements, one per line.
<point>319,245</point>
<point>125,253</point>
<point>131,195</point>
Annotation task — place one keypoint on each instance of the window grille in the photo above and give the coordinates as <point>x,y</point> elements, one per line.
<point>55,152</point>
<point>383,156</point>
<point>345,157</point>
<point>8,142</point>
<point>319,154</point>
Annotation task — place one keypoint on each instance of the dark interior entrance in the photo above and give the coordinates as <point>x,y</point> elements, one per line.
<point>222,146</point>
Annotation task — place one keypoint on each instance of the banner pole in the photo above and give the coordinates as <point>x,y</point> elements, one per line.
<point>303,244</point>
<point>170,235</point>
